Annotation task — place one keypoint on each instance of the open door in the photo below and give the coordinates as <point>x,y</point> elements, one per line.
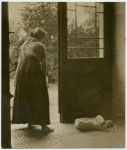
<point>84,60</point>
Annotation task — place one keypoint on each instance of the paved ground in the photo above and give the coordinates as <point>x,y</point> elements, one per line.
<point>66,136</point>
<point>53,98</point>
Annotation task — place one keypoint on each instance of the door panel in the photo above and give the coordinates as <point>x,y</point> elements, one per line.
<point>83,81</point>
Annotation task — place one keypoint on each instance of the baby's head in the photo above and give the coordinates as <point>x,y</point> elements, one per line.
<point>109,123</point>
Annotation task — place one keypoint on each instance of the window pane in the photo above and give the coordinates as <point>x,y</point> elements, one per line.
<point>81,53</point>
<point>101,53</point>
<point>86,3</point>
<point>71,24</point>
<point>100,7</point>
<point>85,22</point>
<point>100,25</point>
<point>71,5</point>
<point>71,43</point>
<point>72,53</point>
<point>82,43</point>
<point>86,43</point>
<point>86,53</point>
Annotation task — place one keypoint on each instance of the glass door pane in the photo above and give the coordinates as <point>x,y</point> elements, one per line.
<point>85,30</point>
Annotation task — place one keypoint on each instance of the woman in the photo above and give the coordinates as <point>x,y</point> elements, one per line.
<point>31,101</point>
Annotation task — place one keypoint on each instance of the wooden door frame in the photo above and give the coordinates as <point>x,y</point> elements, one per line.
<point>62,53</point>
<point>5,101</point>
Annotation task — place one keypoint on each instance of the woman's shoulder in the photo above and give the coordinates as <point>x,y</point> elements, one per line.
<point>34,48</point>
<point>39,45</point>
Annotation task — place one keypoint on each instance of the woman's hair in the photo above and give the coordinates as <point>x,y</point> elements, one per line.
<point>38,33</point>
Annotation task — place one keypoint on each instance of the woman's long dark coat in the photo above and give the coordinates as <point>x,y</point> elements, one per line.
<point>31,101</point>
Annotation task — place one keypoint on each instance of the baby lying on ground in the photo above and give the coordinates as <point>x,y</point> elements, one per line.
<point>96,123</point>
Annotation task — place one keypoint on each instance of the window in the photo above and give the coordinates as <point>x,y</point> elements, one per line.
<point>85,30</point>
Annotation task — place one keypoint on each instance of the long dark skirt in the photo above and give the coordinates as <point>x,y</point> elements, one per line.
<point>31,101</point>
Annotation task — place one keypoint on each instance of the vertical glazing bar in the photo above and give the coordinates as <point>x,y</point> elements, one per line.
<point>59,58</point>
<point>96,32</point>
<point>76,24</point>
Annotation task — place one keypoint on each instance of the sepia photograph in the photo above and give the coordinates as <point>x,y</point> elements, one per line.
<point>63,74</point>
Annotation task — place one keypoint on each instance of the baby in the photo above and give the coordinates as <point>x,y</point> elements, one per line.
<point>96,123</point>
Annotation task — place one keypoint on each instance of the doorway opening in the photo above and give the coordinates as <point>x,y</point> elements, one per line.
<point>23,17</point>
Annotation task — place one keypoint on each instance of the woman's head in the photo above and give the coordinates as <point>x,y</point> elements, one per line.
<point>38,33</point>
